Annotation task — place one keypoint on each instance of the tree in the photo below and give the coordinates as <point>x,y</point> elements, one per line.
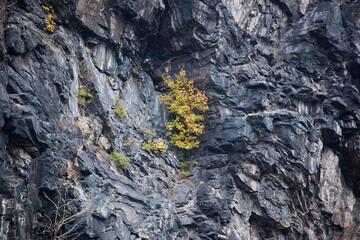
<point>187,103</point>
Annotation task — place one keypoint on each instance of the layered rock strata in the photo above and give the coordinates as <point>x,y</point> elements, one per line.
<point>281,154</point>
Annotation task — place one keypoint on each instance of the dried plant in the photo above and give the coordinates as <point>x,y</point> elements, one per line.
<point>55,227</point>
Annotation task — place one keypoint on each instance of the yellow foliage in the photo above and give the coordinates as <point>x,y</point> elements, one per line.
<point>155,147</point>
<point>50,17</point>
<point>185,101</point>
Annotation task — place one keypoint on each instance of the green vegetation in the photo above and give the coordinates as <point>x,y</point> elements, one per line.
<point>111,80</point>
<point>185,167</point>
<point>184,101</point>
<point>153,195</point>
<point>152,133</point>
<point>120,159</point>
<point>155,147</point>
<point>185,174</point>
<point>187,164</point>
<point>181,154</point>
<point>119,110</point>
<point>137,83</point>
<point>129,143</point>
<point>184,164</point>
<point>84,97</point>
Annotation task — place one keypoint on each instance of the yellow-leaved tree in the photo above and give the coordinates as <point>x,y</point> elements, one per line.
<point>187,103</point>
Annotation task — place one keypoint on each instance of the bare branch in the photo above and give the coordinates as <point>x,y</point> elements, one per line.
<point>63,217</point>
<point>68,233</point>
<point>11,4</point>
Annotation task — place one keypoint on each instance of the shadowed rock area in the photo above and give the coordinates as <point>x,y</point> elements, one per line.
<point>280,157</point>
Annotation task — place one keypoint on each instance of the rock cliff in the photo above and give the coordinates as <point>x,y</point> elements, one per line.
<point>280,158</point>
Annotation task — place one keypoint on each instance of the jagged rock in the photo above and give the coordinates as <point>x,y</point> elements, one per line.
<point>281,149</point>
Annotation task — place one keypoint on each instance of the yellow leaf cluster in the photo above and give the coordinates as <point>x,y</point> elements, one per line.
<point>50,17</point>
<point>186,102</point>
<point>155,147</point>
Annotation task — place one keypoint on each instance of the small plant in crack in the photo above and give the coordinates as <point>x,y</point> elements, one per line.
<point>50,16</point>
<point>119,110</point>
<point>119,159</point>
<point>155,146</point>
<point>84,96</point>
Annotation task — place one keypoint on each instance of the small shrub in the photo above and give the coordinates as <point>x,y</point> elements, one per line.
<point>161,145</point>
<point>152,133</point>
<point>120,159</point>
<point>185,174</point>
<point>184,164</point>
<point>185,167</point>
<point>84,97</point>
<point>155,147</point>
<point>181,154</point>
<point>185,101</point>
<point>137,83</point>
<point>153,195</point>
<point>119,110</point>
<point>128,143</point>
<point>111,80</point>
<point>50,16</point>
<point>82,76</point>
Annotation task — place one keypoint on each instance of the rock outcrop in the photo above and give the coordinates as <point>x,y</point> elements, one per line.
<point>280,158</point>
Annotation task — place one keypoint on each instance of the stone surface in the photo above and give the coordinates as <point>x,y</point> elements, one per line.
<point>280,155</point>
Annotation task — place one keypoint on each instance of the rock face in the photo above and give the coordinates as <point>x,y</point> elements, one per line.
<point>280,158</point>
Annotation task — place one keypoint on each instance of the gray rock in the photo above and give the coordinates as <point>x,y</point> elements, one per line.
<point>281,149</point>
